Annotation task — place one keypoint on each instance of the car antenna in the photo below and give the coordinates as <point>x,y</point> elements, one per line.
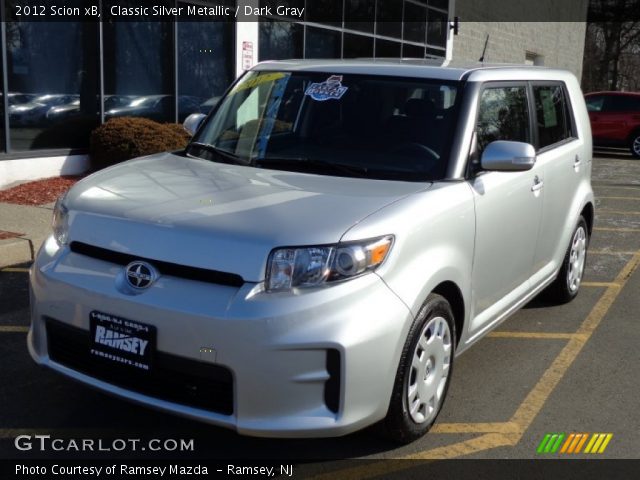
<point>484,50</point>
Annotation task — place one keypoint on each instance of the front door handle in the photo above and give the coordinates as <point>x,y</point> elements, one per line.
<point>537,184</point>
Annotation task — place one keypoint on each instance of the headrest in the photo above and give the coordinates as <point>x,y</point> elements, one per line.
<point>419,107</point>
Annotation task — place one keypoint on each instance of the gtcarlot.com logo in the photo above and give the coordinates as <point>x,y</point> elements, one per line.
<point>574,443</point>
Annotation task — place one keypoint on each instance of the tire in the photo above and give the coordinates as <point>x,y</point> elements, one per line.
<point>428,352</point>
<point>567,284</point>
<point>634,144</point>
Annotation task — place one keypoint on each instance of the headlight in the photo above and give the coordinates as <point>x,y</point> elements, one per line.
<point>60,222</point>
<point>312,266</point>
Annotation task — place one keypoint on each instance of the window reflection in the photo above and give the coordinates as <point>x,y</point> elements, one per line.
<point>357,46</point>
<point>280,40</point>
<point>321,43</point>
<point>205,66</point>
<point>396,28</point>
<point>388,16</point>
<point>359,15</point>
<point>437,28</point>
<point>52,82</point>
<point>138,63</point>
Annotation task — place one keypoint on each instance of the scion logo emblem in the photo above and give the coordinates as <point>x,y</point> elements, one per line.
<point>140,275</point>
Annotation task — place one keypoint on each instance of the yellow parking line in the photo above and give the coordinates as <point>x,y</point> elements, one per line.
<point>535,400</point>
<point>540,335</point>
<point>14,270</point>
<point>616,186</point>
<point>618,212</point>
<point>601,284</point>
<point>610,252</point>
<point>525,413</point>
<point>617,198</point>
<point>615,229</point>
<point>13,329</point>
<point>494,427</point>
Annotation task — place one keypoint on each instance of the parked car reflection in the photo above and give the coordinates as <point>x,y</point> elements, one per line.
<point>157,107</point>
<point>33,113</point>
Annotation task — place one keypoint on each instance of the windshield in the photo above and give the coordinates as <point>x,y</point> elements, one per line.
<point>348,125</point>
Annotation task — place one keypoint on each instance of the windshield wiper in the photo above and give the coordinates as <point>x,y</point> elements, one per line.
<point>313,164</point>
<point>226,156</point>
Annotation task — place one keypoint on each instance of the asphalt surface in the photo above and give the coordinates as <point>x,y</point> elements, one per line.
<point>548,369</point>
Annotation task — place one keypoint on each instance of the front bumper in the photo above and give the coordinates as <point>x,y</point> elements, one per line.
<point>281,349</point>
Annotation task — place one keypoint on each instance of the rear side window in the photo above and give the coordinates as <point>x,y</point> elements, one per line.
<point>503,115</point>
<point>551,114</point>
<point>621,103</point>
<point>594,104</point>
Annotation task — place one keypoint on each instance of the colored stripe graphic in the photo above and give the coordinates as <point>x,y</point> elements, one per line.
<point>573,443</point>
<point>550,443</point>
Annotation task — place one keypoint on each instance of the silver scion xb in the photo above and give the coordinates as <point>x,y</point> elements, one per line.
<point>335,234</point>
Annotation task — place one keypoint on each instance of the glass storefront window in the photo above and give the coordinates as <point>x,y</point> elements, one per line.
<point>280,40</point>
<point>437,27</point>
<point>360,15</point>
<point>205,68</point>
<point>138,66</point>
<point>415,25</point>
<point>323,43</point>
<point>52,82</point>
<point>328,12</point>
<point>388,15</point>
<point>357,46</point>
<point>388,49</point>
<point>412,51</point>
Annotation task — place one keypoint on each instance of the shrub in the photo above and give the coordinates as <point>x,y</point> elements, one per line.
<point>125,138</point>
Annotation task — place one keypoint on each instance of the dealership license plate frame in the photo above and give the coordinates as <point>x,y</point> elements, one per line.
<point>129,329</point>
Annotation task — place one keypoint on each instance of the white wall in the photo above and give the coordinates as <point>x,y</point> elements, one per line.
<point>26,169</point>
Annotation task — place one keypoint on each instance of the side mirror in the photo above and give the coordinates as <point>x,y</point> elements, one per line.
<point>507,156</point>
<point>192,122</point>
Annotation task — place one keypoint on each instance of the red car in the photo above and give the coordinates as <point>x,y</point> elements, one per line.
<point>615,119</point>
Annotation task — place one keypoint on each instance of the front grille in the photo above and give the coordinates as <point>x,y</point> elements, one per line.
<point>165,268</point>
<point>172,378</point>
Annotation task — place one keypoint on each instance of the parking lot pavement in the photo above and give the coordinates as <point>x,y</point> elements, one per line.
<point>548,369</point>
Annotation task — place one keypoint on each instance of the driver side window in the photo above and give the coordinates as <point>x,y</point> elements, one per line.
<point>503,115</point>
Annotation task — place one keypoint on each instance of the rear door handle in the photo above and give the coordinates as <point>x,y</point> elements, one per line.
<point>576,163</point>
<point>537,184</point>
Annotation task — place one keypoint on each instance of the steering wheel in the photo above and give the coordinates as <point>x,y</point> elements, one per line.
<point>408,148</point>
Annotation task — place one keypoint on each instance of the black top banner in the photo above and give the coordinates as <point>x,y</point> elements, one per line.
<point>333,12</point>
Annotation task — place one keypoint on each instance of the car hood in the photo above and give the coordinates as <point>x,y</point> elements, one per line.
<point>218,216</point>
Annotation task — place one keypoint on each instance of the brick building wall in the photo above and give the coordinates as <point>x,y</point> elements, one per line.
<point>552,44</point>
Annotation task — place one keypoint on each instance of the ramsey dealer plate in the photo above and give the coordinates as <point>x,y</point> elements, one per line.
<point>122,341</point>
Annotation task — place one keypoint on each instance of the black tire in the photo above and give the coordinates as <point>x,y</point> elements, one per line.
<point>399,425</point>
<point>563,289</point>
<point>634,144</point>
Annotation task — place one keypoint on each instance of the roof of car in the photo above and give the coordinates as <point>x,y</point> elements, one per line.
<point>421,68</point>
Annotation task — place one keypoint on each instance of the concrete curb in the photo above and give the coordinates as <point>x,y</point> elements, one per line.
<point>15,250</point>
<point>34,225</point>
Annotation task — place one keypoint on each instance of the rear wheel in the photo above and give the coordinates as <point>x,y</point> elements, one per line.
<point>566,285</point>
<point>635,145</point>
<point>422,379</point>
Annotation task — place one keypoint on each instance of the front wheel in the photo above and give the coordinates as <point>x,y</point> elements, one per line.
<point>635,145</point>
<point>423,375</point>
<point>565,287</point>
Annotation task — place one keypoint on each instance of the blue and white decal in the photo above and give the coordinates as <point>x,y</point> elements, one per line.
<point>330,89</point>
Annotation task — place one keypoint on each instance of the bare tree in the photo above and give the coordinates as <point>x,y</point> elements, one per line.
<point>611,45</point>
